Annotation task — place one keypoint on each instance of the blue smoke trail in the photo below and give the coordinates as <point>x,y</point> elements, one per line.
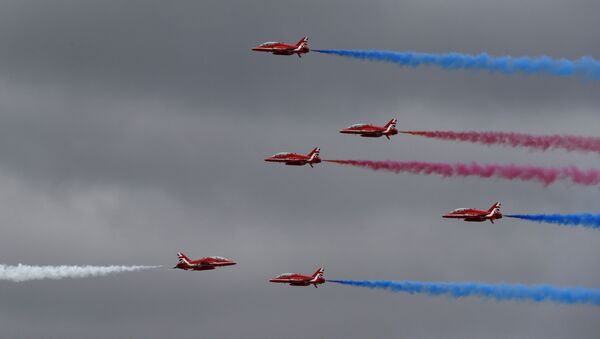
<point>587,220</point>
<point>586,66</point>
<point>536,293</point>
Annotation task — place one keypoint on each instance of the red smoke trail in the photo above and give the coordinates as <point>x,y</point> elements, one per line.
<point>539,142</point>
<point>545,175</point>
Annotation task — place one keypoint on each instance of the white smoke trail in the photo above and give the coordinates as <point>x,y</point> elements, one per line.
<point>26,272</point>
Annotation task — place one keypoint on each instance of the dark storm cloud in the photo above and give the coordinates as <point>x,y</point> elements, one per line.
<point>129,131</point>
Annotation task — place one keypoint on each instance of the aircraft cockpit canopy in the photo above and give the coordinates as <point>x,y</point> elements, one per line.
<point>357,125</point>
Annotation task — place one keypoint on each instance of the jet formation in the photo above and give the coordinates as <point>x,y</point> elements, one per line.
<point>313,157</point>
<point>210,263</point>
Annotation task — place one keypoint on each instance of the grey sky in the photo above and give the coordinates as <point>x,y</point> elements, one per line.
<point>133,130</point>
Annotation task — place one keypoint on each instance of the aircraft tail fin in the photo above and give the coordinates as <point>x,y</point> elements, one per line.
<point>303,42</point>
<point>391,123</point>
<point>494,212</point>
<point>314,154</point>
<point>496,205</point>
<point>318,274</point>
<point>183,257</point>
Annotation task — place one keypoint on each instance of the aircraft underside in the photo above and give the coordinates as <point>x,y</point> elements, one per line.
<point>202,268</point>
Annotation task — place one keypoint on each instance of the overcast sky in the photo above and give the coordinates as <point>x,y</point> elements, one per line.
<point>133,130</point>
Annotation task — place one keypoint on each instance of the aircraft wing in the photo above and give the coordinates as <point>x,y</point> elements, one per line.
<point>475,215</point>
<point>282,48</point>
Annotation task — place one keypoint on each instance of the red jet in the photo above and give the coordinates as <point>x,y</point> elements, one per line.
<point>294,159</point>
<point>295,279</point>
<point>279,48</point>
<point>371,131</point>
<point>204,264</point>
<point>469,214</point>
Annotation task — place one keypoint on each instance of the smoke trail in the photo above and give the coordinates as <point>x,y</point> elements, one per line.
<point>26,272</point>
<point>587,220</point>
<point>586,66</point>
<point>544,175</point>
<point>538,142</point>
<point>536,293</point>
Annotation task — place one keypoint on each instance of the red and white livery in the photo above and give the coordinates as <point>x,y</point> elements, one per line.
<point>470,214</point>
<point>203,264</point>
<point>296,279</point>
<point>279,48</point>
<point>294,159</point>
<point>372,131</point>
